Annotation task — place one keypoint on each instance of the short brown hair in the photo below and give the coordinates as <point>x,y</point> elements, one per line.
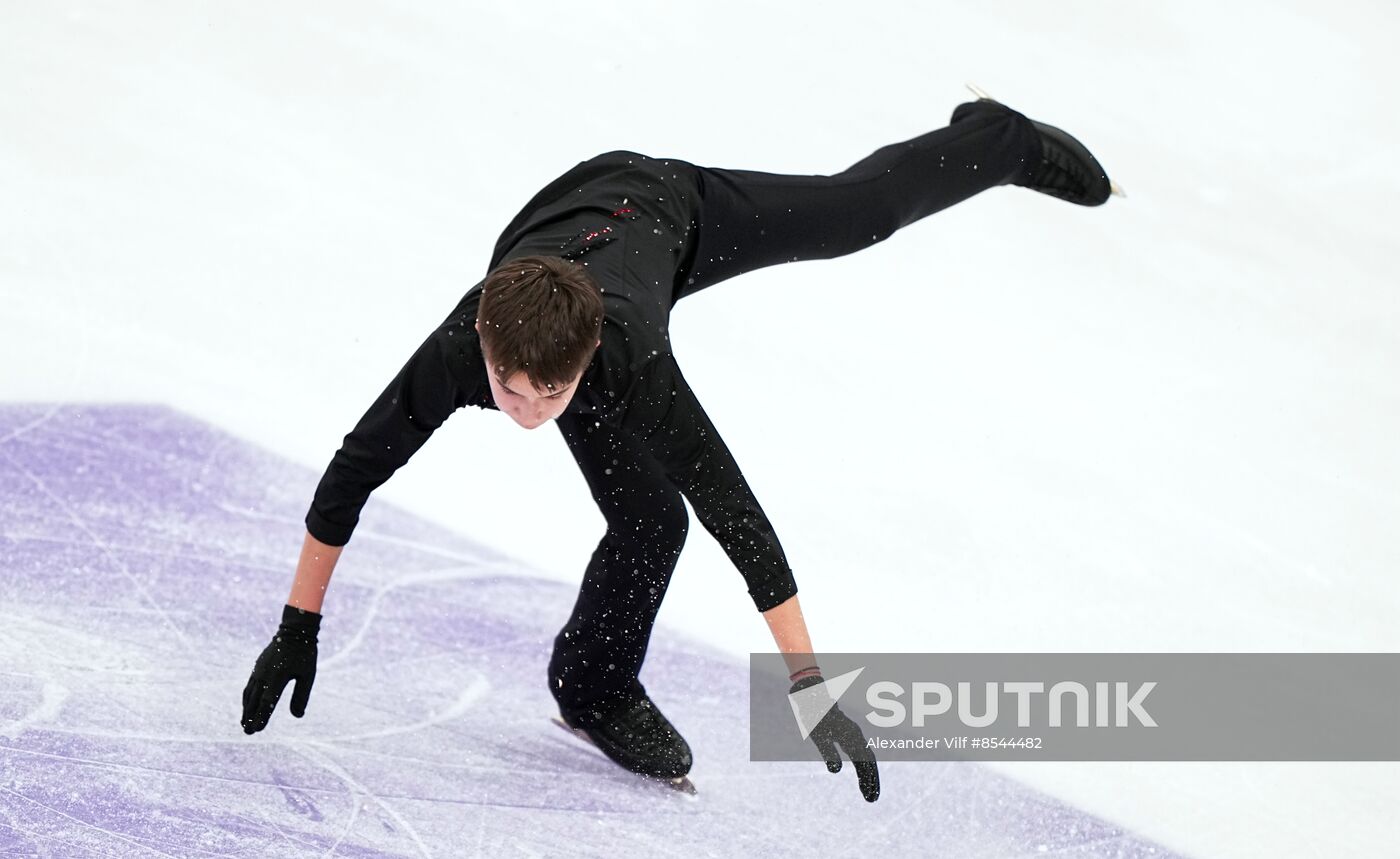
<point>540,315</point>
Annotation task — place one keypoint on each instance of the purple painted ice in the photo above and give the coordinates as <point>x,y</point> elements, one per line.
<point>145,560</point>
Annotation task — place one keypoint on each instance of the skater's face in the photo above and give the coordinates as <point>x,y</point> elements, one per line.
<point>526,406</point>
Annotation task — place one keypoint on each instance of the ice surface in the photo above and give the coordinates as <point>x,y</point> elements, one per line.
<point>146,557</point>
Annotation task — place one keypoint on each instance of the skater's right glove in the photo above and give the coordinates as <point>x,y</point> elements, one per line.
<point>291,655</point>
<point>837,729</point>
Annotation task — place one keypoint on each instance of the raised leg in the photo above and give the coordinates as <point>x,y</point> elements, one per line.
<point>749,219</point>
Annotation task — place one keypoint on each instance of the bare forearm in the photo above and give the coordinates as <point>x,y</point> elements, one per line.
<point>313,574</point>
<point>789,631</point>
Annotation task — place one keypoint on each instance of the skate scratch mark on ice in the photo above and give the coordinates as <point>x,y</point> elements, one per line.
<point>83,823</point>
<point>436,762</point>
<point>102,545</point>
<point>466,699</point>
<point>524,806</point>
<point>253,514</point>
<point>136,497</point>
<point>493,556</point>
<point>266,822</point>
<point>449,574</point>
<point>349,824</point>
<point>1078,846</point>
<point>145,549</point>
<point>363,533</point>
<point>39,421</point>
<point>328,792</point>
<point>153,842</point>
<point>41,837</point>
<point>357,789</point>
<point>272,824</point>
<point>107,443</point>
<point>200,739</point>
<point>209,457</point>
<point>53,697</point>
<point>911,803</point>
<point>455,657</point>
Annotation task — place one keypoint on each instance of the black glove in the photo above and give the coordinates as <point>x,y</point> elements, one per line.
<point>837,729</point>
<point>291,655</point>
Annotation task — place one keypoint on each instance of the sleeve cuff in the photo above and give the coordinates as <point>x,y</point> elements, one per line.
<point>326,531</point>
<point>773,595</point>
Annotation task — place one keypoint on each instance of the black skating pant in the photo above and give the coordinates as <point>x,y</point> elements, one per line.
<point>747,220</point>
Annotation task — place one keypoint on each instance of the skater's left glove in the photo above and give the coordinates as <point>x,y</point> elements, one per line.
<point>836,729</point>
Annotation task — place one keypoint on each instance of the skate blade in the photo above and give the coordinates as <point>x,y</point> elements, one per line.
<point>980,93</point>
<point>682,784</point>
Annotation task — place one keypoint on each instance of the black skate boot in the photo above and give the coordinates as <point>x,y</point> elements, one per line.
<point>637,737</point>
<point>1067,169</point>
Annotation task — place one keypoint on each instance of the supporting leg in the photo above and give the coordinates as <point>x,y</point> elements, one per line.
<point>598,654</point>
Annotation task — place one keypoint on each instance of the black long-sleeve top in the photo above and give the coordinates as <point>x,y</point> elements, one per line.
<point>630,219</point>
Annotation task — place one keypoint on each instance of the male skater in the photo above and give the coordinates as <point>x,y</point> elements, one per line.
<point>570,324</point>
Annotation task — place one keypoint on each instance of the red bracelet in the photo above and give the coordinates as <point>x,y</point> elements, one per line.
<point>812,671</point>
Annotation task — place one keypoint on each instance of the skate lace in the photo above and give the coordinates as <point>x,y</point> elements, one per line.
<point>642,722</point>
<point>1064,173</point>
